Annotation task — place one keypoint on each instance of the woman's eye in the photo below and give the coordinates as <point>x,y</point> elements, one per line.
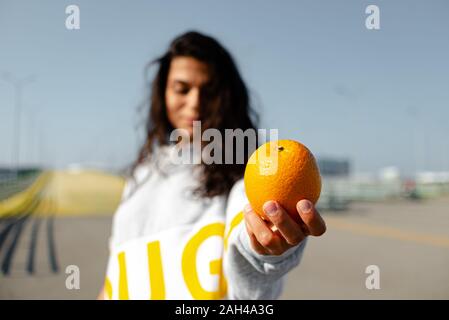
<point>181,90</point>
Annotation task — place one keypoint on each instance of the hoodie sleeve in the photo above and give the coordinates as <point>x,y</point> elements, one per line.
<point>249,274</point>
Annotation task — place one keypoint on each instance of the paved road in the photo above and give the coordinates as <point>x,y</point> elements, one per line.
<point>76,241</point>
<point>408,241</point>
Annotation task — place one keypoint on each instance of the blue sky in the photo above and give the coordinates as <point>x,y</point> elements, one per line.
<point>379,98</point>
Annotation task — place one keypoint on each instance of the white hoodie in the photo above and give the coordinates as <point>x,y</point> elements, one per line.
<point>168,244</point>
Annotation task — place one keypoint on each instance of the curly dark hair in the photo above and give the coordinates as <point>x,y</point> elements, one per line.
<point>224,105</point>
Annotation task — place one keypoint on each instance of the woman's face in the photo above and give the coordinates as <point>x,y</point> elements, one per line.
<point>186,79</point>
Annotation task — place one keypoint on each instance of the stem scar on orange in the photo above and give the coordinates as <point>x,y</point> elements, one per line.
<point>284,171</point>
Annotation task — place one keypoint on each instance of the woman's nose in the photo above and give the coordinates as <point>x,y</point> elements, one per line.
<point>194,100</point>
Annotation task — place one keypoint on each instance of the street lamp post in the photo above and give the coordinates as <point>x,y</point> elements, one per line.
<point>18,85</point>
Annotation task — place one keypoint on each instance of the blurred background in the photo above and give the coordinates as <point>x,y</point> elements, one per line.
<point>371,104</point>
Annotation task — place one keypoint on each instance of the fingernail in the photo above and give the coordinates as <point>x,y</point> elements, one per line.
<point>270,208</point>
<point>305,206</point>
<point>247,208</point>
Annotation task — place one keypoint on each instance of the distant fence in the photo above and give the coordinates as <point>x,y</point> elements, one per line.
<point>12,182</point>
<point>7,174</point>
<point>338,192</point>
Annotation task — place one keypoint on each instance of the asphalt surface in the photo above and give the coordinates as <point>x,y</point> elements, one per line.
<point>407,241</point>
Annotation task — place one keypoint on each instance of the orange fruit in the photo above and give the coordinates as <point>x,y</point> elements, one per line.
<point>284,171</point>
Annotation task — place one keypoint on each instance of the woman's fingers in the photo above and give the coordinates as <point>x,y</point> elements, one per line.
<point>288,228</point>
<point>312,219</point>
<point>262,232</point>
<point>254,243</point>
<point>281,232</point>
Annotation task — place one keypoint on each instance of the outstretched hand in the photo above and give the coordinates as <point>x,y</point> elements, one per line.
<point>282,232</point>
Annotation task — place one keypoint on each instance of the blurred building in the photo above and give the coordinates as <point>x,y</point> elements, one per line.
<point>335,174</point>
<point>431,184</point>
<point>334,167</point>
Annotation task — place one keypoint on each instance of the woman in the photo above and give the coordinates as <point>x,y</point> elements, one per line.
<point>179,232</point>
